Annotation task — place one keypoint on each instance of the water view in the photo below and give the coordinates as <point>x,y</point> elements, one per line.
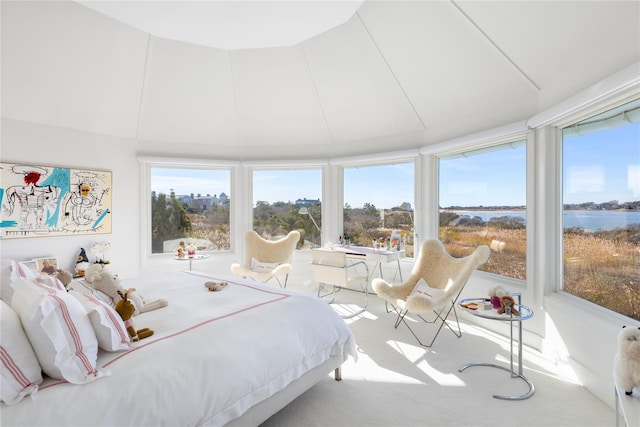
<point>587,220</point>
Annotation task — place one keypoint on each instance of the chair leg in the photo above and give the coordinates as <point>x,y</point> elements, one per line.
<point>365,290</point>
<point>286,277</point>
<point>443,322</point>
<point>332,293</point>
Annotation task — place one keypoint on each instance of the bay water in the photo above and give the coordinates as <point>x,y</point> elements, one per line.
<point>588,220</point>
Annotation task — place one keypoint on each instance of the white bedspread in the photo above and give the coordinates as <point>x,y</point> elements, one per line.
<point>212,357</point>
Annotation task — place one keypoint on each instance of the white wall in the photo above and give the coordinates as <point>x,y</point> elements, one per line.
<point>31,143</point>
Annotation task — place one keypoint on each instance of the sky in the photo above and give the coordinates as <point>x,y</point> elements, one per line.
<point>603,166</point>
<point>598,167</point>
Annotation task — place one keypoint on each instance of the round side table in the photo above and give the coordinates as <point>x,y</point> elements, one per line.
<point>193,258</point>
<point>525,313</point>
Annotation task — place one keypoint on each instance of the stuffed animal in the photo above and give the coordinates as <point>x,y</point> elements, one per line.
<point>626,366</point>
<point>64,276</point>
<point>125,309</point>
<point>508,305</point>
<point>101,279</point>
<point>215,286</point>
<point>82,262</point>
<point>495,293</point>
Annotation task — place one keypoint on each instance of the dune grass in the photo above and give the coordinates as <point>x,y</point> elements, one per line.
<point>600,269</point>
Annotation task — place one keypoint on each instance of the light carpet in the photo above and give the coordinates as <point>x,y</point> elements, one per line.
<point>396,382</point>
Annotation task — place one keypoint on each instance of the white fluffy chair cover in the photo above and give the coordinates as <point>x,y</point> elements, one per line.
<point>444,274</point>
<point>267,251</point>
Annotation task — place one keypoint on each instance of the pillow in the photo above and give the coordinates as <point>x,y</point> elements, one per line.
<point>59,331</point>
<point>51,281</point>
<point>107,324</point>
<point>262,267</point>
<point>82,287</point>
<point>20,371</point>
<point>11,270</point>
<point>422,289</point>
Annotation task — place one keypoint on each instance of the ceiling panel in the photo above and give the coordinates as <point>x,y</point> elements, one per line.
<point>65,65</point>
<point>188,95</point>
<point>358,93</point>
<point>455,78</point>
<point>276,100</point>
<point>396,75</point>
<point>563,45</point>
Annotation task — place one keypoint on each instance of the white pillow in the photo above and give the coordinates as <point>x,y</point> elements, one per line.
<point>10,271</point>
<point>20,371</point>
<point>422,289</point>
<point>59,331</point>
<point>262,267</point>
<point>51,281</point>
<point>82,287</point>
<point>107,324</point>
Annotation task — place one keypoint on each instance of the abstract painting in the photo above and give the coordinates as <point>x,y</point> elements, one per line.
<point>39,201</point>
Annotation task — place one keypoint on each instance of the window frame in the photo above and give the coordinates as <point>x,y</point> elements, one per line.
<point>512,134</point>
<point>557,126</point>
<point>390,158</point>
<point>146,163</point>
<point>252,167</point>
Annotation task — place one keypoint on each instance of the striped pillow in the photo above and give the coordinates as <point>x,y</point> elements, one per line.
<point>11,270</point>
<point>20,371</point>
<point>106,322</point>
<point>59,331</point>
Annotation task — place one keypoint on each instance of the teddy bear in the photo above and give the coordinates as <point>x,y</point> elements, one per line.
<point>101,279</point>
<point>626,365</point>
<point>508,306</point>
<point>125,308</point>
<point>64,276</point>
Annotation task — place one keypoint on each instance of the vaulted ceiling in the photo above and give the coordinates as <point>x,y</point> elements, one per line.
<point>381,76</point>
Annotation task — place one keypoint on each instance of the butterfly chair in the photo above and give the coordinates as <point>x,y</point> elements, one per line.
<point>335,269</point>
<point>436,281</point>
<point>266,259</point>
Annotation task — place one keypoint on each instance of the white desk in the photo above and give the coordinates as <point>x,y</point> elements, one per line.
<point>371,256</point>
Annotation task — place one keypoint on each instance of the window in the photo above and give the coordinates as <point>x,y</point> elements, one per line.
<point>190,205</point>
<point>286,200</point>
<point>601,209</point>
<point>378,200</point>
<point>482,200</point>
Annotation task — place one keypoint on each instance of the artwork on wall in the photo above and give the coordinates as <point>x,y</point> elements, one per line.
<point>40,201</point>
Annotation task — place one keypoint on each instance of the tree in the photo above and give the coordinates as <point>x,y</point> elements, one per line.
<point>169,220</point>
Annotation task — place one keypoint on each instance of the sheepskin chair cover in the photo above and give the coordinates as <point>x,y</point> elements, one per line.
<point>267,251</point>
<point>444,274</point>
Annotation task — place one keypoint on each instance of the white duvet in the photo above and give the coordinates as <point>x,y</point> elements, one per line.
<point>212,357</point>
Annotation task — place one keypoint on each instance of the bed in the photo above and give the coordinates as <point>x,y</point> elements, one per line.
<point>230,357</point>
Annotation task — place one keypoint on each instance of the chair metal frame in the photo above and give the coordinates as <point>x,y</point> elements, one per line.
<point>333,268</point>
<point>284,267</point>
<point>438,316</point>
<point>400,297</point>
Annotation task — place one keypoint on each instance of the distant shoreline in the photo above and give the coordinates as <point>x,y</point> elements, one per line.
<point>507,209</point>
